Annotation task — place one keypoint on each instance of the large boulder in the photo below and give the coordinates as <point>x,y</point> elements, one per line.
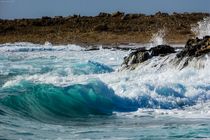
<point>161,50</point>
<point>195,47</point>
<point>142,55</point>
<point>136,57</point>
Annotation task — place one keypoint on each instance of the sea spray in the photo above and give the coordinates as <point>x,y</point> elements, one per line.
<point>202,28</point>
<point>158,38</point>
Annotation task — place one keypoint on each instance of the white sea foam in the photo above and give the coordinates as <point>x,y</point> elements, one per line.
<point>147,80</point>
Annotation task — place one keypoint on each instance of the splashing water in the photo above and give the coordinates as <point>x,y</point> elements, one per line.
<point>158,38</point>
<point>202,28</point>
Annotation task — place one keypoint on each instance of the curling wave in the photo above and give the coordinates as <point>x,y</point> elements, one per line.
<point>48,102</point>
<point>43,101</point>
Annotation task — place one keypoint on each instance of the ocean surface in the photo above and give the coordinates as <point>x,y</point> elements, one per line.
<point>64,92</point>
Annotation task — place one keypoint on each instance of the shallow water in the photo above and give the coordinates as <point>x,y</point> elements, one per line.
<point>64,92</point>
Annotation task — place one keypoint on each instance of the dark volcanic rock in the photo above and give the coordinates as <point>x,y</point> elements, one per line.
<point>161,50</point>
<point>136,57</point>
<point>195,47</point>
<point>142,55</point>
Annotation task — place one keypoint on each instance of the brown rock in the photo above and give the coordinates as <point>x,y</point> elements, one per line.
<point>195,47</point>
<point>121,28</point>
<point>203,51</point>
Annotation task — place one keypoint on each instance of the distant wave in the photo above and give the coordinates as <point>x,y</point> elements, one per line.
<point>90,67</point>
<point>30,47</point>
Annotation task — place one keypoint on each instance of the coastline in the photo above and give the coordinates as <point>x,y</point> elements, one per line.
<point>105,29</point>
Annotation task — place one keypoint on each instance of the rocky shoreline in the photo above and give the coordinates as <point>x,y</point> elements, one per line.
<point>107,29</point>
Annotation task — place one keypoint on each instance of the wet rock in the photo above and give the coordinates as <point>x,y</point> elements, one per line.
<point>136,57</point>
<point>195,47</point>
<point>142,55</point>
<point>203,51</point>
<point>161,50</point>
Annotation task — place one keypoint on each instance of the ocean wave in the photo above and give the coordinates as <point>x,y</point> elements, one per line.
<point>90,67</point>
<point>46,86</point>
<point>45,101</point>
<point>48,102</point>
<point>30,47</point>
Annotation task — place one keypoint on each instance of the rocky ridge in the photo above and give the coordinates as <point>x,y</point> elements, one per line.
<point>105,28</point>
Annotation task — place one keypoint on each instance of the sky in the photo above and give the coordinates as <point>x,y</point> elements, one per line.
<point>10,9</point>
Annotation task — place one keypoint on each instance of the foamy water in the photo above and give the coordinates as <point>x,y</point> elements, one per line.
<point>43,91</point>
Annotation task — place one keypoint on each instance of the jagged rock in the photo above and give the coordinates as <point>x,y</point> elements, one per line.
<point>161,50</point>
<point>136,57</point>
<point>142,55</point>
<point>195,47</point>
<point>203,51</point>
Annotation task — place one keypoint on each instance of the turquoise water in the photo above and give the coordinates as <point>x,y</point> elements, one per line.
<point>64,92</point>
